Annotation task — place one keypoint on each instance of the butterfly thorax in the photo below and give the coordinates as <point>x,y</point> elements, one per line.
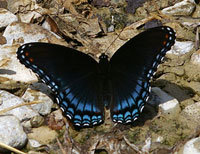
<point>104,64</point>
<point>104,75</point>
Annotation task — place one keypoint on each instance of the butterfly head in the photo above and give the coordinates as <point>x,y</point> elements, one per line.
<point>103,57</point>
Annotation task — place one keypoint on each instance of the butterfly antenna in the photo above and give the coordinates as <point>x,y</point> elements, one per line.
<point>114,40</point>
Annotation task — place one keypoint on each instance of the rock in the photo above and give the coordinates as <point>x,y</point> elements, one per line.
<point>9,100</point>
<point>33,143</point>
<point>11,68</point>
<point>11,132</point>
<point>192,146</point>
<point>167,104</point>
<point>43,135</point>
<point>181,48</point>
<point>32,94</point>
<point>6,17</point>
<point>184,8</point>
<point>192,112</point>
<point>56,120</point>
<point>37,121</point>
<point>25,33</point>
<point>195,58</point>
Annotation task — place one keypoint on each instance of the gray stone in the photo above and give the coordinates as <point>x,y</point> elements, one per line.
<point>10,100</point>
<point>192,146</point>
<point>6,17</point>
<point>11,132</point>
<point>32,94</point>
<point>183,8</point>
<point>181,48</point>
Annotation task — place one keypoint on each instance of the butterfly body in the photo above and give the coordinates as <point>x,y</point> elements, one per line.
<point>83,87</point>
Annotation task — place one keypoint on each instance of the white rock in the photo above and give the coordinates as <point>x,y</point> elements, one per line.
<point>192,146</point>
<point>11,68</point>
<point>34,143</point>
<point>34,95</point>
<point>6,17</point>
<point>181,48</point>
<point>11,132</point>
<point>167,104</point>
<point>29,33</point>
<point>183,8</point>
<point>8,100</point>
<point>195,58</point>
<point>159,139</point>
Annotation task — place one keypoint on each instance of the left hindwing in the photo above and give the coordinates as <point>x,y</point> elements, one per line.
<point>131,69</point>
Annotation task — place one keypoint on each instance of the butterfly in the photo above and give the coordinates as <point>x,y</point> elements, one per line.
<point>83,87</point>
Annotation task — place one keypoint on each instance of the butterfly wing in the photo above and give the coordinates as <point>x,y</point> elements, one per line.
<point>72,76</point>
<point>132,67</point>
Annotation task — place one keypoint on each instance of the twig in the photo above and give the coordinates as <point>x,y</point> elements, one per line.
<point>2,145</point>
<point>18,105</point>
<point>60,146</point>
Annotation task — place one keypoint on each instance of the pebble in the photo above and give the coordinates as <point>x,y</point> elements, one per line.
<point>6,18</point>
<point>183,8</point>
<point>192,146</point>
<point>181,48</point>
<point>11,132</point>
<point>167,104</point>
<point>37,94</point>
<point>25,33</point>
<point>8,100</point>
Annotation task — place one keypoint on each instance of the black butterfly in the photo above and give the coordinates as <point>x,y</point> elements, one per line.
<point>83,87</point>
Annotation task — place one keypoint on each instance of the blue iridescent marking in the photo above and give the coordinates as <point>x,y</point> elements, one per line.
<point>67,91</point>
<point>140,102</point>
<point>77,121</point>
<point>75,101</point>
<point>134,95</point>
<point>146,84</point>
<point>114,116</point>
<point>47,78</point>
<point>41,71</point>
<point>120,117</point>
<point>144,94</point>
<point>124,104</point>
<point>77,117</point>
<point>71,110</point>
<point>80,107</point>
<point>130,101</point>
<point>86,118</point>
<point>70,96</point>
<point>94,118</point>
<point>118,107</point>
<point>64,103</point>
<point>138,88</point>
<point>88,107</point>
<point>99,117</point>
<point>127,114</point>
<point>135,111</point>
<point>61,95</point>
